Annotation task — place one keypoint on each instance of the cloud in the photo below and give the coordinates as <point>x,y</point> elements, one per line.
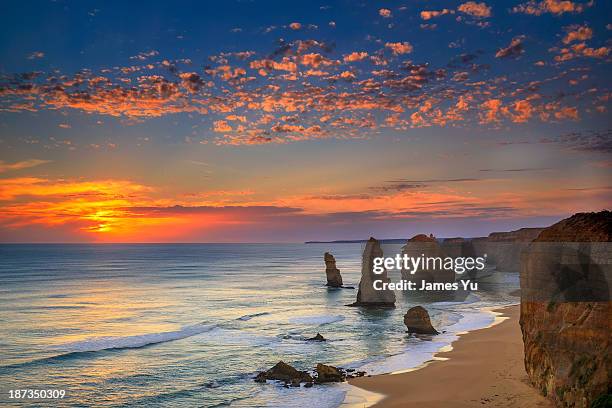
<point>327,93</point>
<point>594,141</point>
<point>513,50</point>
<point>124,211</point>
<point>491,109</point>
<point>577,33</point>
<point>385,13</point>
<point>399,47</point>
<point>36,55</point>
<point>286,64</point>
<point>428,15</point>
<point>355,56</point>
<point>581,50</point>
<point>24,164</point>
<point>295,26</point>
<point>143,56</point>
<point>556,7</point>
<point>221,126</point>
<point>478,10</point>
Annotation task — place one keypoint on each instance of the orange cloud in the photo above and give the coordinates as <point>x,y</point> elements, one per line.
<point>514,49</point>
<point>428,15</point>
<point>284,65</point>
<point>386,13</point>
<point>577,33</point>
<point>491,109</point>
<point>221,126</point>
<point>124,211</point>
<point>399,47</point>
<point>557,7</point>
<point>355,56</point>
<point>24,164</point>
<point>479,10</point>
<point>581,50</point>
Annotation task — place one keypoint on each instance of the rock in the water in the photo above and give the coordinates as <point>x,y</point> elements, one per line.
<point>426,245</point>
<point>566,313</point>
<point>334,279</point>
<point>261,377</point>
<point>327,374</point>
<point>417,321</point>
<point>284,372</point>
<point>367,295</point>
<point>318,337</point>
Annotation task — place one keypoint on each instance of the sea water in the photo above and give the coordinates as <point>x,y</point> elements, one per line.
<point>189,325</point>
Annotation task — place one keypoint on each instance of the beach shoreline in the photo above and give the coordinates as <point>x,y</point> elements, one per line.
<point>484,367</point>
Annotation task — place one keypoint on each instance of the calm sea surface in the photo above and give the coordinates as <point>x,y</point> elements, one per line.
<point>189,325</point>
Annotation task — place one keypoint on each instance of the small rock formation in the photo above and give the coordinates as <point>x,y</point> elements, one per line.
<point>318,337</point>
<point>326,373</point>
<point>367,295</point>
<point>566,313</point>
<point>334,279</point>
<point>417,321</point>
<point>284,372</point>
<point>422,244</point>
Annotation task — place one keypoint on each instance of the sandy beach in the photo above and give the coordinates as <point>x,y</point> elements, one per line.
<point>484,368</point>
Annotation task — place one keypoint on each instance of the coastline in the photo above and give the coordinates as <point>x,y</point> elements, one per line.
<point>484,367</point>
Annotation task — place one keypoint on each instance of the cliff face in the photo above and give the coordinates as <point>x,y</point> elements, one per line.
<point>504,249</point>
<point>520,235</point>
<point>367,295</point>
<point>566,313</point>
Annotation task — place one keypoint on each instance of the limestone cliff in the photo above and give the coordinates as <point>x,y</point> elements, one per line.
<point>367,295</point>
<point>504,249</point>
<point>566,313</point>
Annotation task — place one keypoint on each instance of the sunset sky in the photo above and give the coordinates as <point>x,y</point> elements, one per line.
<point>261,121</point>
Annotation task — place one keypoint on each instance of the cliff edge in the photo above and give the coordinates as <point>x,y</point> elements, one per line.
<point>566,313</point>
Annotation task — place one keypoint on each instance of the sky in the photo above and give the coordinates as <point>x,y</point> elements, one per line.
<point>276,121</point>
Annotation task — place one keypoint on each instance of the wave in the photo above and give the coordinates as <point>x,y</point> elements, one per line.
<point>250,316</point>
<point>79,349</point>
<point>122,342</point>
<point>317,320</point>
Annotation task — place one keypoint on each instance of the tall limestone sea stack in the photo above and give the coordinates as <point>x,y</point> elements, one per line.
<point>334,279</point>
<point>367,295</point>
<point>566,313</point>
<point>428,246</point>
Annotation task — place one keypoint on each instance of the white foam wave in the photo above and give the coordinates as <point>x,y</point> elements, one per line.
<point>316,320</point>
<point>120,342</point>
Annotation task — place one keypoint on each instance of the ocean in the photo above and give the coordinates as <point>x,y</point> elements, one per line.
<point>189,325</point>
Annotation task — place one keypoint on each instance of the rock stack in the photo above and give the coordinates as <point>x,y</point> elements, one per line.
<point>334,279</point>
<point>429,247</point>
<point>367,295</point>
<point>417,321</point>
<point>566,313</point>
